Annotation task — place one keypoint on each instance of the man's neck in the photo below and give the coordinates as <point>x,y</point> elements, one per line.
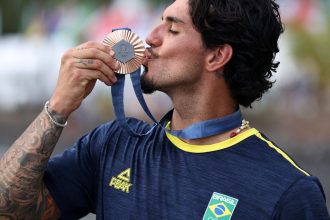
<point>185,116</point>
<point>202,106</point>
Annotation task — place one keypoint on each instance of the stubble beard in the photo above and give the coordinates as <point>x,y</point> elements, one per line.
<point>147,86</point>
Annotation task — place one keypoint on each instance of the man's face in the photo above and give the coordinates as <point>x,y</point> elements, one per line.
<point>175,60</point>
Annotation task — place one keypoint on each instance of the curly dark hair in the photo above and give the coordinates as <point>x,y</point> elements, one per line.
<point>252,28</point>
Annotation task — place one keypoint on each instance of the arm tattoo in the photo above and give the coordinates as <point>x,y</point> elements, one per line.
<point>23,194</point>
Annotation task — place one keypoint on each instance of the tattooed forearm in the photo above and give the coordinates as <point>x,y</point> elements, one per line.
<point>22,192</point>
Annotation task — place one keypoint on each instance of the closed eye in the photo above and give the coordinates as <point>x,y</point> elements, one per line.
<point>172,31</point>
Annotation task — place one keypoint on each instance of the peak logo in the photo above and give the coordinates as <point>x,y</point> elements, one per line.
<point>122,181</point>
<point>220,207</point>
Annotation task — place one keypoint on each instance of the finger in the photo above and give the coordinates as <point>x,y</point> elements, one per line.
<point>90,75</point>
<point>100,76</point>
<point>91,44</point>
<point>95,53</point>
<point>94,64</point>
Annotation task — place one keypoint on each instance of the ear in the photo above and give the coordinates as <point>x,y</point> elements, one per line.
<point>218,57</point>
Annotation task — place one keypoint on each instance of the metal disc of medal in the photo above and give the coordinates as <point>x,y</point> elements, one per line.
<point>129,49</point>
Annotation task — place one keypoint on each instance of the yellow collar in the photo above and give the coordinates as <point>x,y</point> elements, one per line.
<point>211,147</point>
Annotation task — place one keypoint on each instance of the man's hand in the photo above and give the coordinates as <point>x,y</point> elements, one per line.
<point>80,68</point>
<point>23,194</point>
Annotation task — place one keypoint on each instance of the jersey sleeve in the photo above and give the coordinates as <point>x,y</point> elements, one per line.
<point>69,176</point>
<point>304,200</point>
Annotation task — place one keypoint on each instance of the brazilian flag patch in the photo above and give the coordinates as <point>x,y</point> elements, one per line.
<point>220,207</point>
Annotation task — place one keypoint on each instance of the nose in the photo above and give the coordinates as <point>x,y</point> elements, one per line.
<point>154,37</point>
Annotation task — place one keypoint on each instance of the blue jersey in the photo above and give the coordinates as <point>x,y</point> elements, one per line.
<point>159,176</point>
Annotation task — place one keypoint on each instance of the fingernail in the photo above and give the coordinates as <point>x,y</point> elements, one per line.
<point>117,65</point>
<point>112,53</point>
<point>113,79</point>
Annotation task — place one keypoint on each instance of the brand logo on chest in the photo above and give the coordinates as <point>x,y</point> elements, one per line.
<point>122,181</point>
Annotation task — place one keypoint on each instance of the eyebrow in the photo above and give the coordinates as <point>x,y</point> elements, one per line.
<point>173,19</point>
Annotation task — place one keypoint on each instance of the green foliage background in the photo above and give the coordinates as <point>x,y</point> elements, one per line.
<point>311,46</point>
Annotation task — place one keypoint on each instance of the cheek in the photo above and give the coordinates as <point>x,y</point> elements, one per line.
<point>178,53</point>
<point>189,49</point>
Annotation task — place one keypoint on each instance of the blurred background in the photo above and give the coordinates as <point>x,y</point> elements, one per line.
<point>35,34</point>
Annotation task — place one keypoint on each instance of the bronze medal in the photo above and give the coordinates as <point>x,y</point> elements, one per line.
<point>129,49</point>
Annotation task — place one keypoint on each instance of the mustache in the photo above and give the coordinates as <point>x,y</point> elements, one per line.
<point>153,54</point>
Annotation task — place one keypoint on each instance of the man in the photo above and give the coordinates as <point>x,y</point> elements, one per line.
<point>209,57</point>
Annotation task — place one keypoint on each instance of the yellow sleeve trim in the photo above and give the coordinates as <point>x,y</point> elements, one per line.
<point>211,147</point>
<point>270,144</point>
